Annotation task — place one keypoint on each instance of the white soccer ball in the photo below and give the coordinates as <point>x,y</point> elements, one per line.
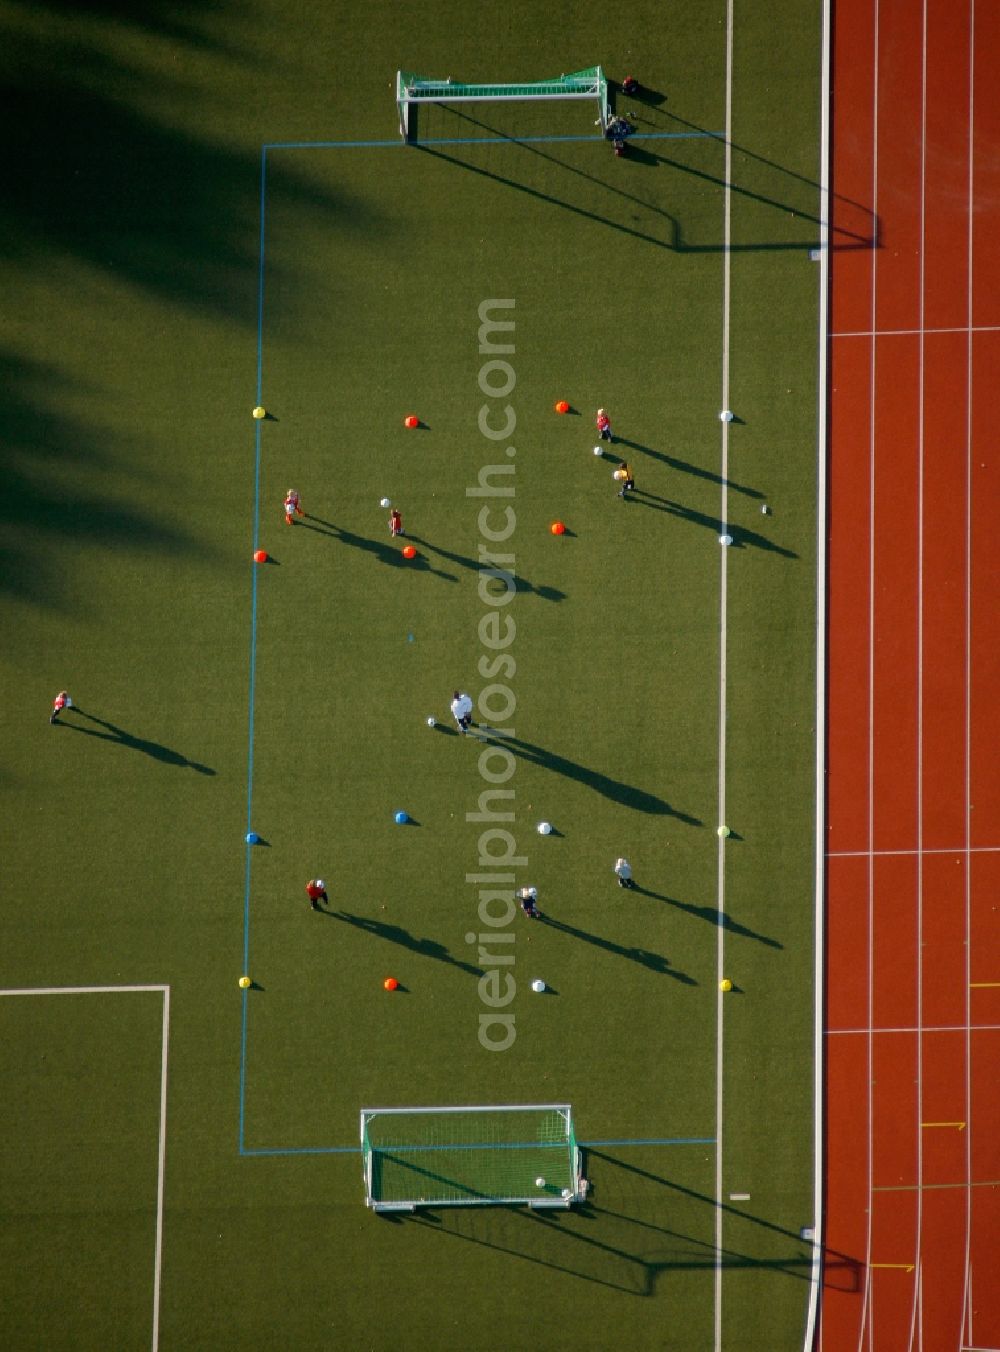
<point>69,702</point>
<point>598,451</point>
<point>539,1182</point>
<point>321,884</point>
<point>544,828</point>
<point>725,539</point>
<point>432,722</point>
<point>385,503</point>
<point>538,986</point>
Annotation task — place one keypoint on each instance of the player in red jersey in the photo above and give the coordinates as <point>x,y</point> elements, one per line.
<point>316,892</point>
<point>61,701</point>
<point>293,507</point>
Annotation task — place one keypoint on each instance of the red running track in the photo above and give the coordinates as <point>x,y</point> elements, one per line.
<point>912,1169</point>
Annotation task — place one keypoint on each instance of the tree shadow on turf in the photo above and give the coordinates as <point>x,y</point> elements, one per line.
<point>655,962</point>
<point>396,934</point>
<point>742,538</point>
<point>672,462</point>
<point>120,737</point>
<point>390,554</point>
<point>626,794</point>
<point>477,565</point>
<point>713,915</point>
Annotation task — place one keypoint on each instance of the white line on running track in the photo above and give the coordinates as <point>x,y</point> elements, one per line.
<point>912,333</point>
<point>866,1300</point>
<point>162,1140</point>
<point>938,849</point>
<point>916,1316</point>
<point>967,1275</point>
<point>723,563</point>
<point>936,1028</point>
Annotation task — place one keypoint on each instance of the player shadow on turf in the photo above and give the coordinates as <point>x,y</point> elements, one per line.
<point>385,553</point>
<point>655,962</point>
<point>476,565</point>
<point>396,934</point>
<point>713,915</point>
<point>686,467</point>
<point>742,538</point>
<point>625,794</point>
<point>122,738</point>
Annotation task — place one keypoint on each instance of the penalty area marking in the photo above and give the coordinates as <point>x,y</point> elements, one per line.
<point>162,1142</point>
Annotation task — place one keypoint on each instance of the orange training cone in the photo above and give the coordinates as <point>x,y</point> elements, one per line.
<point>260,556</point>
<point>557,528</point>
<point>390,983</point>
<point>562,406</point>
<point>409,552</point>
<point>411,420</point>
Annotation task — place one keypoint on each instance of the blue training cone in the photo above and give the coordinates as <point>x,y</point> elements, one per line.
<point>252,838</point>
<point>401,818</point>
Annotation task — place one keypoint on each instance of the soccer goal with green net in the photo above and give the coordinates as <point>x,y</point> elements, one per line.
<point>498,1155</point>
<point>412,90</point>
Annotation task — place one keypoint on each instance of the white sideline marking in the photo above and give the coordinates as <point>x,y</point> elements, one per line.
<point>162,1142</point>
<point>815,1232</point>
<point>723,557</point>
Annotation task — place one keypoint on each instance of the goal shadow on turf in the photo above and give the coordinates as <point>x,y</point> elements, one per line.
<point>840,1271</point>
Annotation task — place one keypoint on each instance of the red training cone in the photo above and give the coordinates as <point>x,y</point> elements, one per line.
<point>562,406</point>
<point>557,528</point>
<point>411,420</point>
<point>409,552</point>
<point>260,556</point>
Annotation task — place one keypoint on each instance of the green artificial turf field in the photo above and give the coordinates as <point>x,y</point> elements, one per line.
<point>182,1166</point>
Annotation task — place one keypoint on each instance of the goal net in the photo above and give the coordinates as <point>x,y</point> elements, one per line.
<point>412,90</point>
<point>473,1156</point>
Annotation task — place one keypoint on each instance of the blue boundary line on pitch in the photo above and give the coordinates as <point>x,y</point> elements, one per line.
<point>585,1145</point>
<point>253,651</point>
<point>488,140</point>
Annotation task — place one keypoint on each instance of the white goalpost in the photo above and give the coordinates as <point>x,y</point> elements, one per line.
<point>483,1155</point>
<point>412,90</point>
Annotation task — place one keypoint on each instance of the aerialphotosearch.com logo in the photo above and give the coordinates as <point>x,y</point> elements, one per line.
<point>497,847</point>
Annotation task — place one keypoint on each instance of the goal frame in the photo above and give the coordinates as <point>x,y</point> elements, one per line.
<point>577,1188</point>
<point>413,90</point>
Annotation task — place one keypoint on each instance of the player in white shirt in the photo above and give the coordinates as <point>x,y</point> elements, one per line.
<point>461,707</point>
<point>623,872</point>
